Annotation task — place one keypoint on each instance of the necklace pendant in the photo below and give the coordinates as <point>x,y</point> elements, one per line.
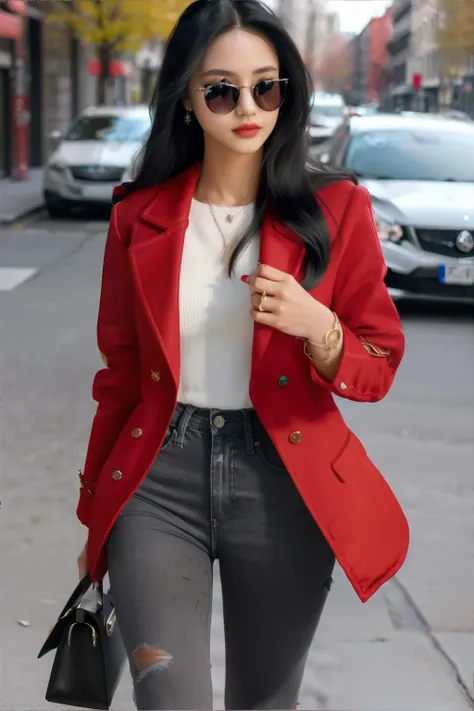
<point>229,218</point>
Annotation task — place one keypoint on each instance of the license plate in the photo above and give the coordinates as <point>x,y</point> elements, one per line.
<point>97,192</point>
<point>457,274</point>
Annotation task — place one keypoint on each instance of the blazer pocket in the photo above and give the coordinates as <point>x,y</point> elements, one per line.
<point>370,524</point>
<point>350,458</point>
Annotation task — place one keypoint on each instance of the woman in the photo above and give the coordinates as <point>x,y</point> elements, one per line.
<point>241,291</point>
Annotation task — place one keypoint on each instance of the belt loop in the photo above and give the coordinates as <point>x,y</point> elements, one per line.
<point>249,442</point>
<point>182,425</point>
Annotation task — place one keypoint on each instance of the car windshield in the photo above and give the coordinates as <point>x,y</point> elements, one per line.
<point>412,154</point>
<point>326,110</point>
<point>108,128</point>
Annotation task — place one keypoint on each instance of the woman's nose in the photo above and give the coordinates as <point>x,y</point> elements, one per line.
<point>246,105</point>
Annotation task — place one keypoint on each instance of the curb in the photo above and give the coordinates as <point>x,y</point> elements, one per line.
<point>10,219</point>
<point>419,620</point>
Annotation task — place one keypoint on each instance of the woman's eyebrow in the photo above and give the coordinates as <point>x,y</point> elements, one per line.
<point>227,72</point>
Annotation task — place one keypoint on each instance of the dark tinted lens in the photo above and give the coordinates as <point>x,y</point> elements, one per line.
<point>269,94</point>
<point>221,98</point>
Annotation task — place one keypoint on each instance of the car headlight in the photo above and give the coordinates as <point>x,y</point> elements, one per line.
<point>389,231</point>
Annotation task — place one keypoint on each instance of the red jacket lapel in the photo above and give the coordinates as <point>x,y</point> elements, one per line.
<point>155,254</point>
<point>282,249</point>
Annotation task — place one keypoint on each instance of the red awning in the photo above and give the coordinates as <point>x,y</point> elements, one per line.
<point>10,25</point>
<point>117,69</point>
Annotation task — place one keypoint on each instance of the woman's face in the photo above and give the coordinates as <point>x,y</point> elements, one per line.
<point>241,58</point>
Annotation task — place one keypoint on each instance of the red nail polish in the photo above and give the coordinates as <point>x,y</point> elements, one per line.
<point>244,277</point>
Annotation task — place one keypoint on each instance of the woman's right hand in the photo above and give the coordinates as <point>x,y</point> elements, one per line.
<point>82,562</point>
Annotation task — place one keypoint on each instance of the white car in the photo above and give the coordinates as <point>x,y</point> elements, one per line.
<point>420,176</point>
<point>327,114</point>
<point>92,156</point>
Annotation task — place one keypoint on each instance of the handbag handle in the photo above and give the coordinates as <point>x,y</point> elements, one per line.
<point>99,586</point>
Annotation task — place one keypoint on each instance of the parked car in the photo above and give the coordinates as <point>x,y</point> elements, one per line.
<point>365,110</point>
<point>92,156</point>
<point>327,113</point>
<point>421,178</point>
<point>455,114</point>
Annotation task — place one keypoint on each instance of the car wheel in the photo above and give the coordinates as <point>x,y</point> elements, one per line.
<point>57,210</point>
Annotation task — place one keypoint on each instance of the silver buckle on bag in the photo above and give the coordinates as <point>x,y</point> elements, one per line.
<point>110,624</point>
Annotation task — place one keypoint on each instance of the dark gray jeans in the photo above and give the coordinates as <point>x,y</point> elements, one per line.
<point>217,490</point>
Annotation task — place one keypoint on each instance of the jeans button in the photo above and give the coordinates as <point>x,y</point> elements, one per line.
<point>219,421</point>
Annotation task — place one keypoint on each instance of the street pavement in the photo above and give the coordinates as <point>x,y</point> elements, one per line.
<point>20,197</point>
<point>410,647</point>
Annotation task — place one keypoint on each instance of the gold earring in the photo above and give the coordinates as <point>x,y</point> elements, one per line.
<point>187,117</point>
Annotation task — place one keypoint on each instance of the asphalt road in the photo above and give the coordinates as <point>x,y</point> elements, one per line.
<point>411,646</point>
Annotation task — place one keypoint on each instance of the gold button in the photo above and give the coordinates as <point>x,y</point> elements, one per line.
<point>155,375</point>
<point>295,437</point>
<point>343,386</point>
<point>116,475</point>
<point>137,432</point>
<point>219,421</point>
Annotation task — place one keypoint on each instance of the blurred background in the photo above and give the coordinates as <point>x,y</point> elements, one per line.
<point>56,58</point>
<point>394,105</point>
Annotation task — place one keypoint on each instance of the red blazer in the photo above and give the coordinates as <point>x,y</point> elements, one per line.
<point>138,337</point>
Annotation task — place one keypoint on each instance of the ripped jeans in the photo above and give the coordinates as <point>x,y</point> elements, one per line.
<point>217,490</point>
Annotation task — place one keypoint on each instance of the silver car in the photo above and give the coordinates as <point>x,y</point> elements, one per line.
<point>327,113</point>
<point>419,171</point>
<point>92,156</point>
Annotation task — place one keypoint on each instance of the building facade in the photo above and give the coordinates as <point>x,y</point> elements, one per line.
<point>356,94</point>
<point>309,22</point>
<point>381,29</point>
<point>58,80</point>
<point>421,75</point>
<point>11,29</point>
<point>425,55</point>
<point>43,68</point>
<point>400,52</point>
<point>369,61</point>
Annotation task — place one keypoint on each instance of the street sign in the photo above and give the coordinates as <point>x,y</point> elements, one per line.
<point>417,80</point>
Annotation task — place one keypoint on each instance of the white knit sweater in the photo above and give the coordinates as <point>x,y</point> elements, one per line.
<point>215,324</point>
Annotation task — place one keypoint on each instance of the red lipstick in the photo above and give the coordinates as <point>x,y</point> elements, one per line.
<point>247,130</point>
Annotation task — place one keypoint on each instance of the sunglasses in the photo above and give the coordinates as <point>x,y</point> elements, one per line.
<point>222,98</point>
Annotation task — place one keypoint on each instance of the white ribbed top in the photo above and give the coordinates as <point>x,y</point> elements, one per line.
<point>215,324</point>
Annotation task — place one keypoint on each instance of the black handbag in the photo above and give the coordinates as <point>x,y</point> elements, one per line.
<point>90,653</point>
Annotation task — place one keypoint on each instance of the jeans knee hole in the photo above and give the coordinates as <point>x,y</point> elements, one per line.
<point>149,659</point>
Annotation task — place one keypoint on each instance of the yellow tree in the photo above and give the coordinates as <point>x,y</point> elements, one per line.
<point>111,26</point>
<point>456,34</point>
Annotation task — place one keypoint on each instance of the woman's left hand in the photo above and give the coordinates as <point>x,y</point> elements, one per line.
<point>285,305</point>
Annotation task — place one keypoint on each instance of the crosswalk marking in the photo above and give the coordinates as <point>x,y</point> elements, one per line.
<point>11,277</point>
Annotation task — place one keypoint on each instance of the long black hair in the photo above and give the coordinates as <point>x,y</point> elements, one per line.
<point>288,182</point>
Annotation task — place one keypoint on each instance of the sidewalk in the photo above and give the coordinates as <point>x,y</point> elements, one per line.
<point>372,657</point>
<point>20,197</point>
